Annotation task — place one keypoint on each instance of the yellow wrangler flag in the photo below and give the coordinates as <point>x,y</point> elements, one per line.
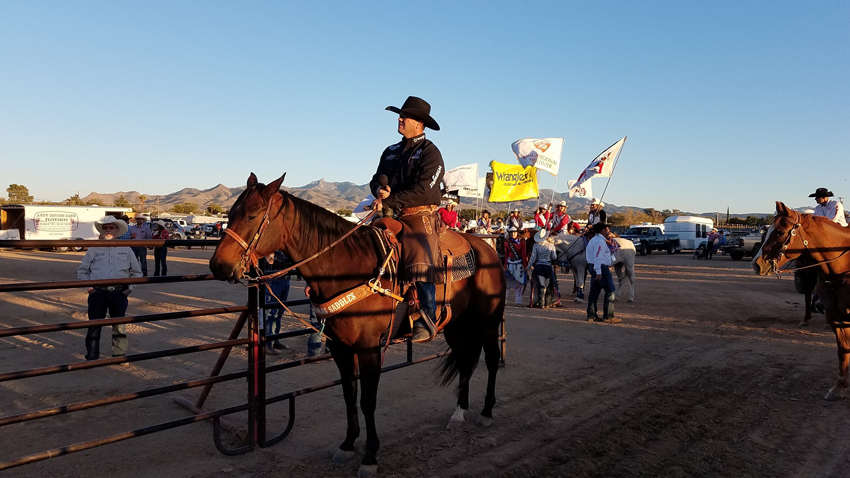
<point>513,182</point>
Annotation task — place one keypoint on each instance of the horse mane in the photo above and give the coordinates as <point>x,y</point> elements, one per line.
<point>326,227</point>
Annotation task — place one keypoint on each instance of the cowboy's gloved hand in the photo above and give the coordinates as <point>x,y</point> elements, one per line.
<point>384,192</point>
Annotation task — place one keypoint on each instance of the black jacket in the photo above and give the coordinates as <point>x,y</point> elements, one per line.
<point>414,169</point>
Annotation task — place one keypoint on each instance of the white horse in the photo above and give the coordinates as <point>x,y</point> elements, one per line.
<point>573,249</point>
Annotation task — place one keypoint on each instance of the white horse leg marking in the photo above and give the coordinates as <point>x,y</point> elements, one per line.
<point>456,420</point>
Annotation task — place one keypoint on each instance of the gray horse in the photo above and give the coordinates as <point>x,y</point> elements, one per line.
<point>573,249</point>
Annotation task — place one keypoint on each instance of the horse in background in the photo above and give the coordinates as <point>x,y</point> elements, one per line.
<point>825,246</point>
<point>572,248</point>
<point>265,219</point>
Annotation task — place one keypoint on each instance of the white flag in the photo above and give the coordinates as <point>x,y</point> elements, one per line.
<point>582,190</point>
<point>544,154</point>
<point>602,165</point>
<point>465,176</point>
<point>476,192</point>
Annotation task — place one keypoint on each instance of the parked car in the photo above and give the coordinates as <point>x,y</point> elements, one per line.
<point>651,237</point>
<point>175,230</point>
<point>739,246</point>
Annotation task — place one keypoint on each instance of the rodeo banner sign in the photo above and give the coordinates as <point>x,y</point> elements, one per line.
<point>513,182</point>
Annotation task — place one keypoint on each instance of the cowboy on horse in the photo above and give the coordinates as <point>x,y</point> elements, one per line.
<point>408,181</point>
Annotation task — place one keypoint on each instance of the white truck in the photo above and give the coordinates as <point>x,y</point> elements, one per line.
<point>35,222</point>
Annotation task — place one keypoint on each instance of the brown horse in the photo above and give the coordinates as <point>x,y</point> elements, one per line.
<point>826,246</point>
<point>301,230</point>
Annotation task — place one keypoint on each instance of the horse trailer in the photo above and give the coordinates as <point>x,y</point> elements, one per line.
<point>690,229</point>
<point>36,222</point>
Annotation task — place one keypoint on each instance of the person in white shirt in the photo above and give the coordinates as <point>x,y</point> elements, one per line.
<point>830,209</point>
<point>599,264</point>
<point>108,263</point>
<point>542,256</point>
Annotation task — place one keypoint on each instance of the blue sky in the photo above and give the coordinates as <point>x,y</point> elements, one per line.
<point>732,104</point>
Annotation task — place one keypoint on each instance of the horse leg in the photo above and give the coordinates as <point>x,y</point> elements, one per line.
<point>491,358</point>
<point>842,337</point>
<point>809,304</point>
<point>579,271</point>
<point>630,274</point>
<point>370,375</point>
<point>455,343</point>
<point>618,268</point>
<point>344,358</point>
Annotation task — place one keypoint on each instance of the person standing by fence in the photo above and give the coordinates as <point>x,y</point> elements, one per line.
<point>141,230</point>
<point>274,262</point>
<point>108,263</point>
<point>159,253</point>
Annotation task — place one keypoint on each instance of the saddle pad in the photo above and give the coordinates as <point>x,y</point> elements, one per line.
<point>461,266</point>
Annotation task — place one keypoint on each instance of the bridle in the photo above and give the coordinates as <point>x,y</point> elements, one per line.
<point>249,259</point>
<point>774,263</point>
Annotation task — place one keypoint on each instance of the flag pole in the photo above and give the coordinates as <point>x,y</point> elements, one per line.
<point>552,199</point>
<point>616,160</point>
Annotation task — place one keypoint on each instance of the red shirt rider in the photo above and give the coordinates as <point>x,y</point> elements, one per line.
<point>541,217</point>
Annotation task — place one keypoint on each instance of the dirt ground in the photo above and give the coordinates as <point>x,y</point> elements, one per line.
<point>708,375</point>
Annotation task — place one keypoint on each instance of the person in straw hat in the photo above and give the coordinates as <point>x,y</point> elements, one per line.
<point>560,220</point>
<point>408,180</point>
<point>515,220</point>
<point>448,214</point>
<point>543,255</point>
<point>599,261</point>
<point>108,263</point>
<point>828,208</point>
<point>597,214</point>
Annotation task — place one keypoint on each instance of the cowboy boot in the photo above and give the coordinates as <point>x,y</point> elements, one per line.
<point>425,328</point>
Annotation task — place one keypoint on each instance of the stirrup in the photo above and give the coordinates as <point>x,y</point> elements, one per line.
<point>428,327</point>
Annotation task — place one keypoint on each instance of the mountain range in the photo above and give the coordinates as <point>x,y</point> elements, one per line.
<point>346,195</point>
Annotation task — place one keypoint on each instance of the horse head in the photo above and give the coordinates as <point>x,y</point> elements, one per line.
<point>781,243</point>
<point>244,241</point>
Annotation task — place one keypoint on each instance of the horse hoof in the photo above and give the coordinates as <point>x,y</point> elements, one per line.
<point>367,471</point>
<point>631,299</point>
<point>457,419</point>
<point>483,422</point>
<point>804,324</point>
<point>832,396</point>
<point>578,301</point>
<point>342,456</point>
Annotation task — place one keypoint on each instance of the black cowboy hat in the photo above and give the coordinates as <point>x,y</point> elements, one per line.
<point>418,109</point>
<point>821,193</point>
<point>600,226</point>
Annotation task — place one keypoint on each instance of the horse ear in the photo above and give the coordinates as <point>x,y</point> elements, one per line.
<point>272,188</point>
<point>781,209</point>
<point>252,180</point>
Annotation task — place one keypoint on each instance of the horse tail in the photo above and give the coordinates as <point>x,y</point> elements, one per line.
<point>465,345</point>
